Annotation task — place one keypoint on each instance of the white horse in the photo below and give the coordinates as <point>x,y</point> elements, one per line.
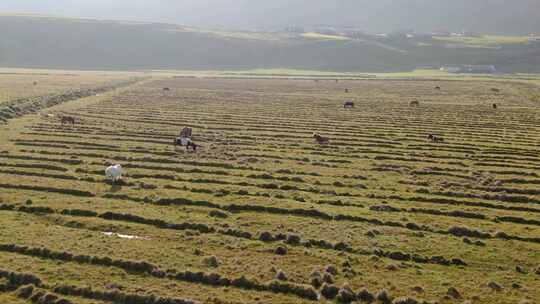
<point>114,173</point>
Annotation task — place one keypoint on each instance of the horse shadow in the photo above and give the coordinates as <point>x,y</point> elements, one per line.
<point>115,186</point>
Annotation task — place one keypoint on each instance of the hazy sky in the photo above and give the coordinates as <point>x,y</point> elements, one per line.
<point>492,16</point>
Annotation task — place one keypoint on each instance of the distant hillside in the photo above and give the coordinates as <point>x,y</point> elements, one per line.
<point>43,42</point>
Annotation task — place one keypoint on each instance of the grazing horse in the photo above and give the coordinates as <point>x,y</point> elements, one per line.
<point>186,132</point>
<point>321,140</point>
<point>437,88</point>
<point>348,104</point>
<point>414,103</point>
<point>435,138</point>
<point>68,120</point>
<point>184,141</point>
<point>495,90</point>
<point>166,89</point>
<point>114,173</point>
<point>494,106</point>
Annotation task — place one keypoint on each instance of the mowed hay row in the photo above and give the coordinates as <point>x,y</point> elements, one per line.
<point>261,212</point>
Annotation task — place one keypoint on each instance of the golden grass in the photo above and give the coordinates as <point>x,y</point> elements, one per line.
<point>261,169</point>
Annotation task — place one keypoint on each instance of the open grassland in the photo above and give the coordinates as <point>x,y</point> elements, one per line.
<point>29,91</point>
<point>262,214</point>
<point>23,83</point>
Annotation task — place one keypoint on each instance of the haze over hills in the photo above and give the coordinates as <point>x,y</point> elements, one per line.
<point>517,17</point>
<point>69,43</point>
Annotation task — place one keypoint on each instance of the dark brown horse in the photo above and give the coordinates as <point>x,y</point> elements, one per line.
<point>414,103</point>
<point>348,104</point>
<point>68,120</point>
<point>435,138</point>
<point>321,140</point>
<point>494,106</point>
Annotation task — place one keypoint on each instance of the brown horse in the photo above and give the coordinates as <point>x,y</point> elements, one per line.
<point>321,140</point>
<point>437,88</point>
<point>414,103</point>
<point>348,104</point>
<point>435,138</point>
<point>68,120</point>
<point>494,106</point>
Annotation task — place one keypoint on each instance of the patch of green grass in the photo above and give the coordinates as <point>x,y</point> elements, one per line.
<point>318,36</point>
<point>487,40</point>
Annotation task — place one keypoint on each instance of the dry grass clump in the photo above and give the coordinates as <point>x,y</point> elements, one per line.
<point>331,269</point>
<point>211,261</point>
<point>281,250</point>
<point>494,286</point>
<point>405,300</point>
<point>502,235</point>
<point>418,289</point>
<point>303,291</point>
<point>236,233</point>
<point>384,296</point>
<point>365,296</point>
<point>329,291</point>
<point>346,294</point>
<point>18,279</point>
<point>218,214</point>
<point>38,296</point>
<point>118,297</point>
<point>454,293</point>
<point>466,231</point>
<point>266,236</point>
<point>25,291</point>
<point>328,278</point>
<point>280,275</point>
<point>292,239</point>
<point>316,279</point>
<point>316,282</point>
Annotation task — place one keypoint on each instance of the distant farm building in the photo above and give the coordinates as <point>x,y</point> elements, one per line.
<point>534,38</point>
<point>441,33</point>
<point>480,69</point>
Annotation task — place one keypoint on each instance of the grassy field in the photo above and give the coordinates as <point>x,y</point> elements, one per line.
<point>263,214</point>
<point>24,83</point>
<point>485,40</point>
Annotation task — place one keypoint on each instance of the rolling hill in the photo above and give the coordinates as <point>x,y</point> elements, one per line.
<point>63,43</point>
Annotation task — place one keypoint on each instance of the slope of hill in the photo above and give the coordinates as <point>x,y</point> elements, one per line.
<point>46,42</point>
